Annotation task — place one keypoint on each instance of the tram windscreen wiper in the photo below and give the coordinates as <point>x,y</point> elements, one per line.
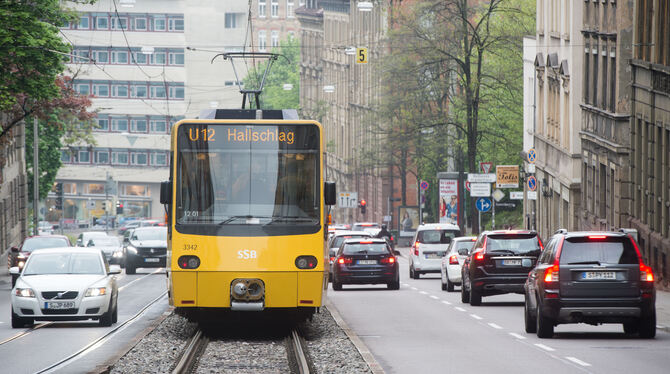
<point>234,218</point>
<point>291,219</point>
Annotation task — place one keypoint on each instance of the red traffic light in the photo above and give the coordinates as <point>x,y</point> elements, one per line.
<point>363,203</point>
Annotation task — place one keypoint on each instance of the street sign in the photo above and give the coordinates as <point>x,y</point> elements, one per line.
<point>516,195</point>
<point>424,185</point>
<point>498,194</point>
<point>507,176</point>
<point>532,183</point>
<point>347,200</point>
<point>361,55</point>
<point>485,167</point>
<point>386,219</point>
<point>532,155</point>
<point>91,204</point>
<point>530,168</point>
<point>483,204</point>
<point>531,195</point>
<point>481,178</point>
<point>480,189</point>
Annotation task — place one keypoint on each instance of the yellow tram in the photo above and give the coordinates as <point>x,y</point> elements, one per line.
<point>247,214</point>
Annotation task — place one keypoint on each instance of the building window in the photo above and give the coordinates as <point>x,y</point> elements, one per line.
<point>94,188</point>
<point>103,124</point>
<point>231,21</point>
<point>587,72</point>
<point>83,88</point>
<point>120,158</point>
<point>102,157</point>
<point>612,80</point>
<point>138,158</point>
<point>644,21</point>
<point>119,90</point>
<point>119,23</point>
<point>138,91</point>
<point>261,8</point>
<point>177,92</point>
<point>261,41</point>
<point>100,57</point>
<point>594,84</point>
<point>177,58</point>
<point>176,24</point>
<point>140,24</point>
<point>138,125</point>
<point>101,23</point>
<point>159,24</point>
<point>158,58</point>
<point>158,159</point>
<point>134,190</point>
<point>65,156</point>
<point>140,58</point>
<point>158,126</point>
<point>274,8</point>
<point>663,33</point>
<point>101,90</point>
<point>157,92</point>
<point>119,57</point>
<point>119,124</point>
<point>83,23</point>
<point>275,38</point>
<point>290,13</point>
<point>84,157</point>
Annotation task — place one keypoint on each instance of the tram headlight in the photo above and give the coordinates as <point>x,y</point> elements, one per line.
<point>188,262</point>
<point>306,262</point>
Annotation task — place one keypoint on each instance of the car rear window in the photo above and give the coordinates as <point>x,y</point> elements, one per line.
<point>38,243</point>
<point>612,250</point>
<point>436,236</point>
<point>337,241</point>
<point>353,249</point>
<point>516,243</point>
<point>464,244</point>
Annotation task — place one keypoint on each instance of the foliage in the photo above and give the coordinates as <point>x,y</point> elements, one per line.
<point>285,70</point>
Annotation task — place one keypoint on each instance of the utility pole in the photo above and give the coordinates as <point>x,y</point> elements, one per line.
<point>36,177</point>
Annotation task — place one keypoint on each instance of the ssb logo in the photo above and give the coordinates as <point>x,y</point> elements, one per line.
<point>246,254</point>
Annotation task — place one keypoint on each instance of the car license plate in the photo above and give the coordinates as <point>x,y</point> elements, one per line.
<point>433,256</point>
<point>59,305</point>
<point>607,275</point>
<point>511,262</point>
<point>151,260</point>
<point>367,262</point>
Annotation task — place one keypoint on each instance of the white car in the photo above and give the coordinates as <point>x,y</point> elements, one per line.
<point>65,284</point>
<point>45,228</point>
<point>84,237</point>
<point>429,246</point>
<point>451,262</point>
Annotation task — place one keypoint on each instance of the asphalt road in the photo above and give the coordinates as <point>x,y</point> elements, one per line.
<point>422,329</point>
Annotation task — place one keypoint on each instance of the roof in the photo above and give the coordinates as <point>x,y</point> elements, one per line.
<point>350,232</point>
<point>66,250</point>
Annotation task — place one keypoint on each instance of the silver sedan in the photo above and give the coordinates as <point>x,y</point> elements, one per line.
<point>65,284</point>
<point>452,261</point>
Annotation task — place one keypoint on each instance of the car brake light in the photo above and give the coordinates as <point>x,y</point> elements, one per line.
<point>332,259</point>
<point>551,275</point>
<point>473,239</point>
<point>416,248</point>
<point>453,260</point>
<point>388,260</point>
<point>597,236</point>
<point>366,242</point>
<point>479,256</point>
<point>646,273</point>
<point>344,260</point>
<point>391,237</point>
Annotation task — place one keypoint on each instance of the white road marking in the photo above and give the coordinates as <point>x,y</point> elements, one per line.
<point>423,292</point>
<point>459,309</point>
<point>495,326</point>
<point>434,297</point>
<point>546,348</point>
<point>517,335</point>
<point>446,302</point>
<point>578,361</point>
<point>475,316</point>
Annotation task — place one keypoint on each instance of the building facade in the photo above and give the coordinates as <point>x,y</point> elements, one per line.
<point>607,30</point>
<point>273,21</point>
<point>558,116</point>
<point>650,133</point>
<point>146,67</point>
<point>13,187</point>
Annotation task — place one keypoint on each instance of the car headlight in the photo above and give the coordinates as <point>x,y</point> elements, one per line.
<point>131,249</point>
<point>118,254</point>
<point>95,291</point>
<point>24,292</point>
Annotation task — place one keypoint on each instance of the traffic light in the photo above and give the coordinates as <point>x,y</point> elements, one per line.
<point>119,208</point>
<point>363,205</point>
<point>59,196</point>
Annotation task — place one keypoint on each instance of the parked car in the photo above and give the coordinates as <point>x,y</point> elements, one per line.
<point>594,278</point>
<point>146,247</point>
<point>499,264</point>
<point>84,237</point>
<point>65,284</point>
<point>336,241</point>
<point>45,228</point>
<point>450,268</point>
<point>17,256</point>
<point>429,246</point>
<point>366,261</point>
<point>109,245</point>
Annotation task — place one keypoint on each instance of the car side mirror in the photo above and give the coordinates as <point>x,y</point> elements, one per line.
<point>126,240</point>
<point>463,251</point>
<point>15,249</point>
<point>114,269</point>
<point>396,252</point>
<point>330,194</point>
<point>14,270</point>
<point>166,192</point>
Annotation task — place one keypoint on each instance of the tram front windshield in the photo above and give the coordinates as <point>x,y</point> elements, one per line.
<point>248,174</point>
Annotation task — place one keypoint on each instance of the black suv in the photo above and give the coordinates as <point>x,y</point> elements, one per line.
<point>146,247</point>
<point>499,263</point>
<point>594,278</point>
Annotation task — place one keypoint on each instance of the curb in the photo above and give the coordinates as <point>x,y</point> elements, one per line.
<point>360,346</point>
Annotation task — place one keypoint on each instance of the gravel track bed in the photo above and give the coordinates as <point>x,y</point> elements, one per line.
<point>328,347</point>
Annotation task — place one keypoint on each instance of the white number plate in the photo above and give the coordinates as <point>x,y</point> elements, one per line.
<point>609,275</point>
<point>511,262</point>
<point>433,255</point>
<point>59,305</point>
<point>367,262</point>
<point>151,260</point>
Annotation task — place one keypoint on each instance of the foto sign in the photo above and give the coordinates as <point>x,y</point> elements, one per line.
<point>507,176</point>
<point>347,200</point>
<point>480,189</point>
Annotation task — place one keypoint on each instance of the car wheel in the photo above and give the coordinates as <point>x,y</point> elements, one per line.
<point>130,269</point>
<point>395,285</point>
<point>631,328</point>
<point>529,321</point>
<point>416,274</point>
<point>17,322</point>
<point>475,296</point>
<point>337,286</point>
<point>647,326</point>
<point>450,285</point>
<point>106,318</point>
<point>411,271</point>
<point>115,314</point>
<point>465,294</point>
<point>545,326</point>
<point>444,286</point>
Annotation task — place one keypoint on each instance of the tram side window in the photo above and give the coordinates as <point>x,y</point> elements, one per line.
<point>197,192</point>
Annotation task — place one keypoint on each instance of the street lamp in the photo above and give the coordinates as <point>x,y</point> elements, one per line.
<point>545,188</point>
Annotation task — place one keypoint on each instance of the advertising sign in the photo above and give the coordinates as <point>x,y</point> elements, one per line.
<point>448,202</point>
<point>507,176</point>
<point>409,220</point>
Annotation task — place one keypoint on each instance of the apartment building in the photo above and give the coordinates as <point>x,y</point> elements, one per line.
<point>147,64</point>
<point>273,21</point>
<point>558,115</point>
<point>650,133</point>
<point>13,187</point>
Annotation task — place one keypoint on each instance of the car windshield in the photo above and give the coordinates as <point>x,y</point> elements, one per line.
<point>611,251</point>
<point>38,243</point>
<point>338,240</point>
<point>159,234</point>
<point>374,248</point>
<point>436,236</point>
<point>518,244</point>
<point>104,242</point>
<point>64,263</point>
